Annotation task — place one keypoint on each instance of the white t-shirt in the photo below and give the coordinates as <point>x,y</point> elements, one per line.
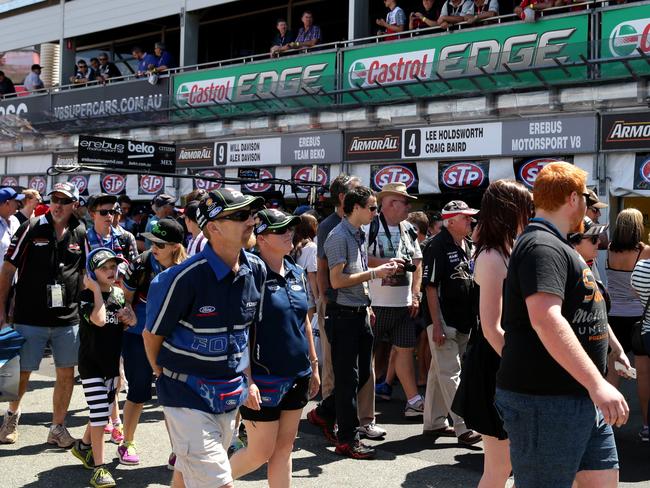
<point>393,291</point>
<point>307,260</point>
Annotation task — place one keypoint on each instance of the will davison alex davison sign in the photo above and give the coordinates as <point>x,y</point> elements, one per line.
<point>624,32</point>
<point>468,52</point>
<point>126,154</point>
<point>295,75</point>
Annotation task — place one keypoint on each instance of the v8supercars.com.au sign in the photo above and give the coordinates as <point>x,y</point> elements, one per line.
<point>468,52</point>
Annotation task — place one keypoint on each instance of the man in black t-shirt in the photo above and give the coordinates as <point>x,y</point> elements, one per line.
<point>551,391</point>
<point>447,280</point>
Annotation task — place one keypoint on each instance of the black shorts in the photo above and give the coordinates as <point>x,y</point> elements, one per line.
<point>623,328</point>
<point>295,399</point>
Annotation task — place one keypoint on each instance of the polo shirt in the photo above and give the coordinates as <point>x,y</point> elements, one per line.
<point>279,40</point>
<point>166,59</point>
<point>204,311</point>
<point>137,278</point>
<point>147,59</point>
<point>450,269</point>
<point>279,343</point>
<point>42,260</point>
<point>466,7</point>
<point>347,244</point>
<point>310,35</point>
<point>7,229</point>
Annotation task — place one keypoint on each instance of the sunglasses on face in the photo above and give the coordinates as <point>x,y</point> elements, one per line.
<point>281,232</point>
<point>160,245</point>
<point>239,216</point>
<point>61,201</point>
<point>106,211</point>
<point>372,208</point>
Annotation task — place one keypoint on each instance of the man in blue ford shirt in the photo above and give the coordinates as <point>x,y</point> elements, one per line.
<point>196,338</point>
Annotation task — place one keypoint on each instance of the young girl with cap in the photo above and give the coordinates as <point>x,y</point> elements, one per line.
<point>103,316</point>
<point>284,364</point>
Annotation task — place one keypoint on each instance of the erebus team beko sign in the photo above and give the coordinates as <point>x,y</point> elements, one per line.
<point>127,154</point>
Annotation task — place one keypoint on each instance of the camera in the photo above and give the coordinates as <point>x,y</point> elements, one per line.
<point>409,267</point>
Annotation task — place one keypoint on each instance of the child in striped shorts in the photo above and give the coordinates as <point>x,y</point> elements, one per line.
<point>103,316</point>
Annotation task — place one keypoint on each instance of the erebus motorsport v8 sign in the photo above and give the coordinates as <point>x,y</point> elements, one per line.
<point>127,154</point>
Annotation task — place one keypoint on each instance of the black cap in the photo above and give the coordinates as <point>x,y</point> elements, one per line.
<point>163,199</point>
<point>593,200</point>
<point>165,231</point>
<point>95,201</point>
<point>224,200</point>
<point>271,219</point>
<point>591,229</point>
<point>100,257</point>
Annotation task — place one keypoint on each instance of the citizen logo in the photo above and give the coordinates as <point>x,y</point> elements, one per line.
<point>374,144</point>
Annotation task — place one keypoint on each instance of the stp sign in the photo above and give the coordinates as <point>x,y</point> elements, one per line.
<point>80,181</point>
<point>206,184</point>
<point>529,170</point>
<point>406,173</point>
<point>9,181</point>
<point>151,184</point>
<point>304,174</point>
<point>113,184</point>
<point>38,183</point>
<point>260,186</point>
<point>463,175</point>
<point>642,171</point>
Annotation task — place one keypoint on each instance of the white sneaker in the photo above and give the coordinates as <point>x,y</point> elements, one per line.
<point>371,431</point>
<point>416,410</point>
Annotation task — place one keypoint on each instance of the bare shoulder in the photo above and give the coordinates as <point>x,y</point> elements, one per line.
<point>489,268</point>
<point>645,252</point>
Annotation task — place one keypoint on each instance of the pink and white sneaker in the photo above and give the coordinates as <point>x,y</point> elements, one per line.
<point>127,453</point>
<point>117,435</point>
<point>108,428</point>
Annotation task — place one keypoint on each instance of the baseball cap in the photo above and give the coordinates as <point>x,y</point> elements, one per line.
<point>591,229</point>
<point>7,193</point>
<point>224,200</point>
<point>457,207</point>
<point>593,201</point>
<point>100,257</point>
<point>163,199</point>
<point>68,189</point>
<point>165,231</point>
<point>273,219</point>
<point>95,201</point>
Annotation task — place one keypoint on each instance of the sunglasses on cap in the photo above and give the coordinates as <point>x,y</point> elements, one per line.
<point>61,201</point>
<point>239,216</point>
<point>106,211</point>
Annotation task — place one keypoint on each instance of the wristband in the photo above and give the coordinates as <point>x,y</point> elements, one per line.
<point>372,274</point>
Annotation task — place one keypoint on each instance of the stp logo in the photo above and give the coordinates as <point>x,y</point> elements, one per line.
<point>463,175</point>
<point>151,183</point>
<point>113,184</point>
<point>529,170</point>
<point>9,181</point>
<point>208,185</point>
<point>304,174</point>
<point>644,171</point>
<point>261,187</point>
<point>81,182</point>
<point>394,174</point>
<point>38,183</point>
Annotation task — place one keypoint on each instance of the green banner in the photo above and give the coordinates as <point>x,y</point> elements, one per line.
<point>449,56</point>
<point>256,86</point>
<point>623,31</point>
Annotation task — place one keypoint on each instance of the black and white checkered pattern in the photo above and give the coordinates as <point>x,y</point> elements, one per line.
<point>394,325</point>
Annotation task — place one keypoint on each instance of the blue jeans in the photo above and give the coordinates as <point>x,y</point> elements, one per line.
<point>554,437</point>
<point>63,340</point>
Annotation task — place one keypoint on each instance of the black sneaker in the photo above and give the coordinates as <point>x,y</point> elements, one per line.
<point>355,450</point>
<point>83,453</point>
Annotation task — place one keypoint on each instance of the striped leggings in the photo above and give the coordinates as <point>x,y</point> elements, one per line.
<point>100,395</point>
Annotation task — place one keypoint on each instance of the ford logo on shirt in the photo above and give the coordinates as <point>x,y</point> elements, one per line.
<point>207,309</point>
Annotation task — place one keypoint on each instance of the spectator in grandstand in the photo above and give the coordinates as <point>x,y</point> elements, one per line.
<point>84,74</point>
<point>482,10</point>
<point>9,202</point>
<point>426,17</point>
<point>6,85</point>
<point>107,69</point>
<point>454,12</point>
<point>33,80</point>
<point>94,65</point>
<point>528,10</point>
<point>395,20</point>
<point>282,39</point>
<point>309,34</point>
<point>145,62</point>
<point>165,60</point>
<point>198,240</point>
<point>31,201</point>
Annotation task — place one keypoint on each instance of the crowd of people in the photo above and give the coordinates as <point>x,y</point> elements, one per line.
<point>499,314</point>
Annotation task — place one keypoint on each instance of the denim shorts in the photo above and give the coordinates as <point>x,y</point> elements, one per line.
<point>64,341</point>
<point>554,437</point>
<point>137,369</point>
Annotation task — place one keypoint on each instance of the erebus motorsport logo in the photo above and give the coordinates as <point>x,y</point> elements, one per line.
<point>391,69</point>
<point>629,35</point>
<point>205,92</point>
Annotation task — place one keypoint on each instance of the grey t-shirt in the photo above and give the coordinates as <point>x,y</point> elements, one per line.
<point>346,244</point>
